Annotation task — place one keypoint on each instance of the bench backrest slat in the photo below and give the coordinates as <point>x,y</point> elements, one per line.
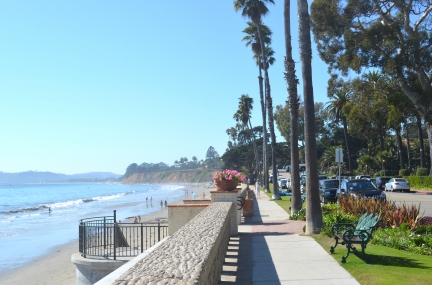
<point>367,222</point>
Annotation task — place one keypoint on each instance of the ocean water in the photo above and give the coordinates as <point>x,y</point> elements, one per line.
<point>28,230</point>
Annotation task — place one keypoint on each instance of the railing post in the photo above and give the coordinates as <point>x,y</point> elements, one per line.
<point>105,233</point>
<point>142,238</point>
<point>115,233</point>
<point>84,240</point>
<point>158,230</point>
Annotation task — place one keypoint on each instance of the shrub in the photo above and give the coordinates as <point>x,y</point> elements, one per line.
<point>391,215</point>
<point>379,173</point>
<point>420,182</point>
<point>402,239</point>
<point>426,221</point>
<point>338,216</point>
<point>404,172</point>
<point>422,172</point>
<point>299,215</point>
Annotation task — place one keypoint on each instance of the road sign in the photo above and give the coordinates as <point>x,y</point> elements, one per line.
<point>339,155</point>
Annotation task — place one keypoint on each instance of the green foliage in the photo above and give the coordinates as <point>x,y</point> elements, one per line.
<point>422,172</point>
<point>299,215</point>
<point>403,239</point>
<point>420,182</point>
<point>404,172</point>
<point>379,173</point>
<point>336,216</point>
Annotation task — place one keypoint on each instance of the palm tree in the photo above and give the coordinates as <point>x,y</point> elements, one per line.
<point>293,101</point>
<point>255,9</point>
<point>313,206</point>
<point>334,108</point>
<point>252,39</point>
<point>243,115</point>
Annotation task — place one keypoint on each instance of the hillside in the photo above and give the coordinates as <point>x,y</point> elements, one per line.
<point>50,177</point>
<point>175,176</point>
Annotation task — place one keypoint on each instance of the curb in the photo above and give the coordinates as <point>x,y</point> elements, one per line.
<point>422,192</point>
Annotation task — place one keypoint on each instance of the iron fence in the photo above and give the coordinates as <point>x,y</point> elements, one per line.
<point>104,237</point>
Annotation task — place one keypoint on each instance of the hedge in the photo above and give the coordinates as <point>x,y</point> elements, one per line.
<point>419,182</point>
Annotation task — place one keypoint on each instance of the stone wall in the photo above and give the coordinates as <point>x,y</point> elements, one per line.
<point>193,255</point>
<point>180,214</point>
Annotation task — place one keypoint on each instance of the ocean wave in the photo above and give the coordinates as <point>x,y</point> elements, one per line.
<point>66,204</point>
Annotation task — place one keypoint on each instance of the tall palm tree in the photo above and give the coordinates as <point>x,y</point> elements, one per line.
<point>252,39</point>
<point>293,101</point>
<point>243,115</point>
<point>334,108</point>
<point>313,205</point>
<point>255,10</point>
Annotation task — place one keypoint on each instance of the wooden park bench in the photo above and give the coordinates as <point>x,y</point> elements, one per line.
<point>350,234</point>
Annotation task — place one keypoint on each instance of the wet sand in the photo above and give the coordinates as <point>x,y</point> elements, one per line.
<point>56,268</point>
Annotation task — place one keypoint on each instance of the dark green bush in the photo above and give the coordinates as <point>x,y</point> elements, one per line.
<point>422,172</point>
<point>404,172</point>
<point>420,182</point>
<point>299,215</point>
<point>332,218</point>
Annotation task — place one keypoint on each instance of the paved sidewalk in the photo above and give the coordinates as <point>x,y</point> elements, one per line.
<point>270,250</point>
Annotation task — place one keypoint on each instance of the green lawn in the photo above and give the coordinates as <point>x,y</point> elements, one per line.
<point>388,265</point>
<point>285,203</point>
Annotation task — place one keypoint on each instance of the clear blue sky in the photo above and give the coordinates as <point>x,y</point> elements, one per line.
<point>97,85</point>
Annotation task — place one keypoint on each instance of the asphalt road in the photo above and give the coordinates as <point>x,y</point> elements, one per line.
<point>425,201</point>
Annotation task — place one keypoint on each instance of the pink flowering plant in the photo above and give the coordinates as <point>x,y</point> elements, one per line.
<point>228,174</point>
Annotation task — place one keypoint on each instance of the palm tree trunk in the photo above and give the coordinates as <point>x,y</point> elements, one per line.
<point>399,147</point>
<point>292,82</point>
<point>264,116</point>
<point>252,135</point>
<point>313,205</point>
<point>257,22</point>
<point>269,110</point>
<point>276,195</point>
<point>348,145</point>
<point>421,142</point>
<point>408,147</point>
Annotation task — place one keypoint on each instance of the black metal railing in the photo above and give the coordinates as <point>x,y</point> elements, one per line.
<point>104,237</point>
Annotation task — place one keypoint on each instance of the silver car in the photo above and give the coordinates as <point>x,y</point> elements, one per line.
<point>397,184</point>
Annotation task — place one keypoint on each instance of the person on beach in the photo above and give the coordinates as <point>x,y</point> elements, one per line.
<point>49,210</point>
<point>193,195</point>
<point>166,204</point>
<point>139,219</point>
<point>257,188</point>
<point>161,203</point>
<point>135,220</point>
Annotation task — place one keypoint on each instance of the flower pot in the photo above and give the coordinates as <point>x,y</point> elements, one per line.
<point>226,185</point>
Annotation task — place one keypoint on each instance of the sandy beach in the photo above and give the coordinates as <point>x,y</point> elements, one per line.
<point>56,268</point>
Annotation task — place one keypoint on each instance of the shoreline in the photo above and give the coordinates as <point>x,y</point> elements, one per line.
<point>56,267</point>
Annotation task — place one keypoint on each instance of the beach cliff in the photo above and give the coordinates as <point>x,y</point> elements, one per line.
<point>174,176</point>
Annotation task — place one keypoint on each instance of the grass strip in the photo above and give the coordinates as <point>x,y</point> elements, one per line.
<point>388,265</point>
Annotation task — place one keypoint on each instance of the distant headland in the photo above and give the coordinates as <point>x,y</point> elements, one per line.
<point>50,177</point>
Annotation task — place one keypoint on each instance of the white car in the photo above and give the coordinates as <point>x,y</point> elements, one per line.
<point>397,184</point>
<point>283,183</point>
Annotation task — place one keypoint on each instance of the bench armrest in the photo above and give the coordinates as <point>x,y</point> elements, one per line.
<point>340,228</point>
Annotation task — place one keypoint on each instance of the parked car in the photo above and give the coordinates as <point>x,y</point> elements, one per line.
<point>322,177</point>
<point>283,184</point>
<point>397,184</point>
<point>362,188</point>
<point>328,189</point>
<point>381,181</point>
<point>363,177</point>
